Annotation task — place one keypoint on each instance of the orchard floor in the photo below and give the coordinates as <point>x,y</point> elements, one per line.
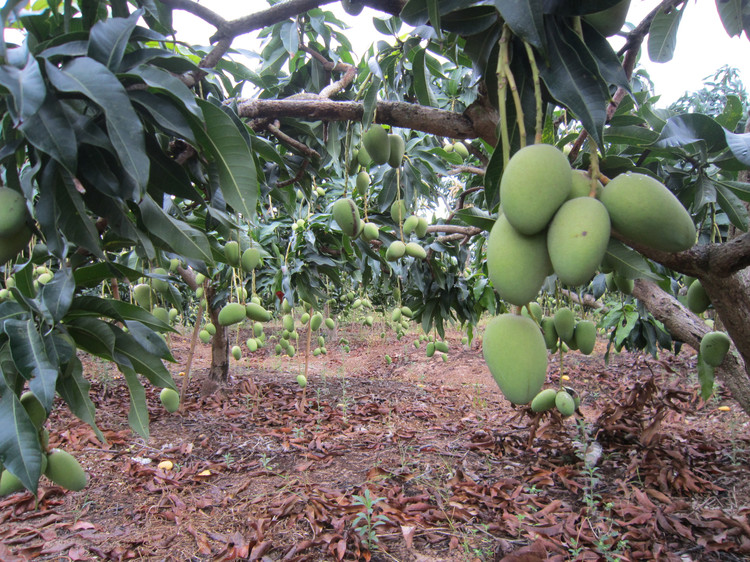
<point>450,470</point>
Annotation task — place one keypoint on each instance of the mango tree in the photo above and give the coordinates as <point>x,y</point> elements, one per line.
<point>127,148</point>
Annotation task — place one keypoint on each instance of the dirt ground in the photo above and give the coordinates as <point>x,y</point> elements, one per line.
<point>420,460</point>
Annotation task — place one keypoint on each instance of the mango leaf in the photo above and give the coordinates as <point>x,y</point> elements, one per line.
<point>610,66</point>
<point>421,77</point>
<point>730,12</point>
<point>739,145</point>
<point>93,336</point>
<point>117,310</point>
<point>524,17</point>
<point>92,79</point>
<point>662,36</point>
<point>166,83</point>
<point>30,358</point>
<point>572,78</point>
<point>733,207</point>
<point>433,10</point>
<point>370,102</point>
<point>49,130</point>
<point>57,295</point>
<point>10,309</point>
<point>231,153</point>
<point>92,275</point>
<point>689,129</point>
<point>631,135</point>
<point>627,262</point>
<point>416,12</point>
<point>19,444</point>
<point>164,114</point>
<point>149,340</point>
<point>27,89</point>
<point>138,413</point>
<point>74,389</point>
<point>290,37</point>
<point>130,354</point>
<point>740,189</point>
<point>706,378</point>
<point>109,38</point>
<point>731,114</point>
<point>179,236</point>
<point>71,216</point>
<point>476,217</point>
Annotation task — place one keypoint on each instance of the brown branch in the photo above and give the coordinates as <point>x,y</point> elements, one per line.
<point>455,229</point>
<point>717,260</point>
<point>297,177</point>
<point>399,114</point>
<point>273,128</point>
<point>634,39</point>
<point>465,170</point>
<point>199,10</point>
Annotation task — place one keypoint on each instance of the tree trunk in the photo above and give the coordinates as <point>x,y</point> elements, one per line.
<point>219,372</point>
<point>731,300</point>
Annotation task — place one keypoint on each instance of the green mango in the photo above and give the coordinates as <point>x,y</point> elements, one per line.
<point>170,399</point>
<point>714,347</point>
<point>346,215</point>
<point>515,353</point>
<point>644,211</point>
<point>232,313</point>
<point>535,182</point>
<point>375,140</point>
<point>63,469</point>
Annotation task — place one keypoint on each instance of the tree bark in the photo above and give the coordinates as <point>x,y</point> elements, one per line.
<point>730,299</point>
<point>219,372</point>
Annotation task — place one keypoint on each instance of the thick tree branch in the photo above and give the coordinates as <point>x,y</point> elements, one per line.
<point>199,10</point>
<point>399,114</point>
<point>720,260</point>
<point>687,327</point>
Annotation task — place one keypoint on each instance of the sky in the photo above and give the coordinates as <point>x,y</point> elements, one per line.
<point>703,45</point>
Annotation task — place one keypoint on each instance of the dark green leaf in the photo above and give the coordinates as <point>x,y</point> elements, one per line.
<point>631,135</point>
<point>72,219</point>
<point>138,413</point>
<point>177,235</point>
<point>149,340</point>
<point>662,37</point>
<point>433,11</point>
<point>475,217</point>
<point>421,77</point>
<point>74,389</point>
<point>370,101</point>
<point>93,275</point>
<point>571,75</point>
<point>31,359</point>
<point>57,295</point>
<point>231,153</point>
<point>731,114</point>
<point>733,207</point>
<point>93,336</point>
<point>164,114</point>
<point>166,83</point>
<point>130,354</point>
<point>524,17</point>
<point>627,262</point>
<point>27,89</point>
<point>19,445</point>
<point>50,132</point>
<point>739,145</point>
<point>416,12</point>
<point>740,189</point>
<point>730,12</point>
<point>610,66</point>
<point>92,79</point>
<point>690,128</point>
<point>109,38</point>
<point>10,309</point>
<point>117,310</point>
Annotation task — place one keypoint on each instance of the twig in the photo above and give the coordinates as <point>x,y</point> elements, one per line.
<point>273,128</point>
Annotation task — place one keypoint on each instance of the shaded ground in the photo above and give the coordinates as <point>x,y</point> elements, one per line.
<point>450,471</point>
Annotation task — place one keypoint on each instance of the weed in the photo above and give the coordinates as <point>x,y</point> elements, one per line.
<point>265,462</point>
<point>228,459</point>
<point>298,432</point>
<point>366,522</point>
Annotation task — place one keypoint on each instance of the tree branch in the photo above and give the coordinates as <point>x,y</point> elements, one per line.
<point>718,260</point>
<point>399,114</point>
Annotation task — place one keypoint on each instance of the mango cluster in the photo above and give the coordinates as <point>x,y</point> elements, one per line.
<point>551,223</point>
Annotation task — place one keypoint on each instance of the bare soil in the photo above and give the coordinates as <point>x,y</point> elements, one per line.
<point>450,470</point>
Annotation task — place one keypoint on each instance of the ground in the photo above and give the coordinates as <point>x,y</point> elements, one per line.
<point>419,460</point>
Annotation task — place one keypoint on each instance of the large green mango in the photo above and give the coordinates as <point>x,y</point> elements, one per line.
<point>577,239</point>
<point>535,183</point>
<point>714,347</point>
<point>63,469</point>
<point>515,353</point>
<point>517,264</point>
<point>644,211</point>
<point>346,215</point>
<point>11,245</point>
<point>13,212</point>
<point>375,140</point>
